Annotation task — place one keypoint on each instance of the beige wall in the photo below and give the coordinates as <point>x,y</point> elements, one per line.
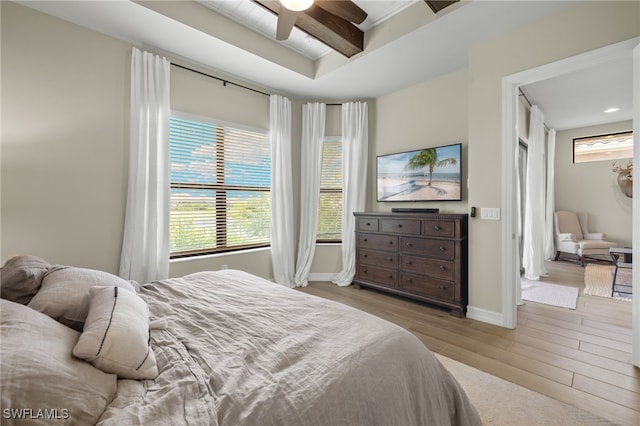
<point>591,187</point>
<point>425,115</point>
<point>581,28</point>
<point>65,109</point>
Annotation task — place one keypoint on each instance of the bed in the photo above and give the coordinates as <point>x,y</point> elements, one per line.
<point>210,348</point>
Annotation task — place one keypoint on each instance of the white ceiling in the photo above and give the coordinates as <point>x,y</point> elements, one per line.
<point>579,99</point>
<point>434,47</point>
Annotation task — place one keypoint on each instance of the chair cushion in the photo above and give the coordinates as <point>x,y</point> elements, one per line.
<point>596,244</point>
<point>567,222</point>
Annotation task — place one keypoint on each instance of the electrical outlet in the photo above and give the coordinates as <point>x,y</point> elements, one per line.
<point>490,213</point>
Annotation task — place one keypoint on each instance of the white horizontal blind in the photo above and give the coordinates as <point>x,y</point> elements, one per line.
<point>220,186</point>
<point>330,215</point>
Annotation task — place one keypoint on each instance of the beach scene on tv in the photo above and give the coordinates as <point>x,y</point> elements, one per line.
<point>420,175</point>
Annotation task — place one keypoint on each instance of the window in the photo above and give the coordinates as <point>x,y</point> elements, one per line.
<point>220,186</point>
<point>604,147</point>
<point>330,215</point>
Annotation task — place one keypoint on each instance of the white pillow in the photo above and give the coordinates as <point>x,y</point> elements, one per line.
<point>116,334</point>
<point>64,294</point>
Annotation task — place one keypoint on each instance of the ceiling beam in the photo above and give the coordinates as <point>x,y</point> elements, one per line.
<point>438,5</point>
<point>337,33</point>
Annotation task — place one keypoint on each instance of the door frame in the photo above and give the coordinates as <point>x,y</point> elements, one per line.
<point>510,137</point>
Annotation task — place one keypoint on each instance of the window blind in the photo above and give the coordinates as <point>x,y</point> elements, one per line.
<point>613,146</point>
<point>330,214</point>
<point>220,186</point>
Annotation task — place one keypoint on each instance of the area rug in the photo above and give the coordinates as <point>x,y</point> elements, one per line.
<point>503,403</point>
<point>598,279</point>
<point>549,294</point>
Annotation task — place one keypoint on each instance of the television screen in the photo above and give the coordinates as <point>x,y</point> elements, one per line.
<point>430,174</point>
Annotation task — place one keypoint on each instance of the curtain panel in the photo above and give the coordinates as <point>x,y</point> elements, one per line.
<point>313,124</point>
<point>549,243</point>
<point>355,142</point>
<point>145,246</point>
<point>534,212</point>
<point>282,223</point>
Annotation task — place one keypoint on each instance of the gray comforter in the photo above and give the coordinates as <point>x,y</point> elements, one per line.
<point>234,349</point>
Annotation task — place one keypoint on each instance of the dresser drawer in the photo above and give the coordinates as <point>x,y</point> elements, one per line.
<point>437,249</point>
<point>368,224</point>
<point>444,269</point>
<point>400,226</point>
<point>427,285</point>
<point>378,242</point>
<point>378,258</point>
<point>439,228</point>
<point>379,275</point>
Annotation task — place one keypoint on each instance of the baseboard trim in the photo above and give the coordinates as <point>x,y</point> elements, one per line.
<point>484,315</point>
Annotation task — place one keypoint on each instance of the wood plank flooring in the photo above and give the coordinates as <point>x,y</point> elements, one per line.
<point>581,357</point>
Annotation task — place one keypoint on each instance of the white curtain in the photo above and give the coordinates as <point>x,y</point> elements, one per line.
<point>282,231</point>
<point>549,244</point>
<point>145,245</point>
<point>534,212</point>
<point>355,142</point>
<point>313,122</point>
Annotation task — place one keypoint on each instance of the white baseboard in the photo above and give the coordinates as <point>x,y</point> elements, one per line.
<point>490,317</point>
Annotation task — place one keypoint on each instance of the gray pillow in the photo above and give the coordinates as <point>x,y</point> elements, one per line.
<point>64,294</point>
<point>39,372</point>
<point>21,277</point>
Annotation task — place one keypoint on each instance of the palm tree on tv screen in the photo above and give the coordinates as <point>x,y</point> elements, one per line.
<point>428,158</point>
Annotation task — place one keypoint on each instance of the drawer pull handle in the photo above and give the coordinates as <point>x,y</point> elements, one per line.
<point>443,287</point>
<point>365,255</point>
<point>399,225</point>
<point>368,224</point>
<point>390,276</point>
<point>409,280</point>
<point>364,271</point>
<point>365,240</point>
<point>409,245</point>
<point>391,242</point>
<point>391,259</point>
<point>410,262</point>
<point>437,228</point>
<point>442,248</point>
<point>443,268</point>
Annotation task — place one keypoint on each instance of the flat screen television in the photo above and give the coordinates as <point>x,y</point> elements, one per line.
<point>429,174</point>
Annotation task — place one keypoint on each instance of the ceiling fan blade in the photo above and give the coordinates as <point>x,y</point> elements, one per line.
<point>347,10</point>
<point>286,21</point>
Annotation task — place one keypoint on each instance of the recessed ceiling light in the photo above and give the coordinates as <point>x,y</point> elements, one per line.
<point>610,110</point>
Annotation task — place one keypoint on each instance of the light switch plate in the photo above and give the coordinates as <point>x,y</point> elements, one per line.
<point>487,213</point>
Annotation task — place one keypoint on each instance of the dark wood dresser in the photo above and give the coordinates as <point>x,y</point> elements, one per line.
<point>418,255</point>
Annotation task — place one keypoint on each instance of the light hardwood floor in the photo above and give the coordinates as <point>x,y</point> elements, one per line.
<point>581,357</point>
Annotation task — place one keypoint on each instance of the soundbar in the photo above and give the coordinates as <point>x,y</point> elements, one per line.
<point>413,210</point>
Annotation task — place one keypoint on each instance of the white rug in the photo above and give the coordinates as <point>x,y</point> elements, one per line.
<point>549,294</point>
<point>501,403</point>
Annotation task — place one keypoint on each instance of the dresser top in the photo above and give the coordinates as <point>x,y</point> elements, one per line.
<point>412,215</point>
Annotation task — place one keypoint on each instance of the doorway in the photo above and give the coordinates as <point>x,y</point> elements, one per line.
<point>510,133</point>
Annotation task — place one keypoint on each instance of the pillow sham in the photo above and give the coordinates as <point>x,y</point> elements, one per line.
<point>21,277</point>
<point>41,378</point>
<point>116,334</point>
<point>64,294</point>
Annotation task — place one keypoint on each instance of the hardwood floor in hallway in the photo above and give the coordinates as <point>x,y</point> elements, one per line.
<point>581,357</point>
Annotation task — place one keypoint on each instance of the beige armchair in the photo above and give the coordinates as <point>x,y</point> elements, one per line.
<point>572,236</point>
